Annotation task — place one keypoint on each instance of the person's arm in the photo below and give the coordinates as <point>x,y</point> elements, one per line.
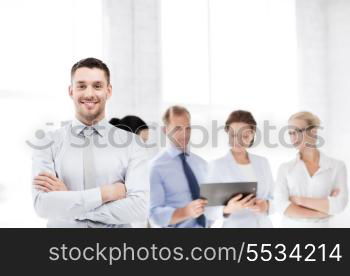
<point>271,185</point>
<point>134,207</point>
<point>213,213</point>
<point>262,205</point>
<point>58,204</point>
<point>281,200</point>
<point>179,215</point>
<point>317,204</point>
<point>191,211</point>
<point>48,183</point>
<point>160,213</point>
<point>338,203</point>
<point>334,203</point>
<point>238,203</point>
<point>296,211</point>
<point>163,215</point>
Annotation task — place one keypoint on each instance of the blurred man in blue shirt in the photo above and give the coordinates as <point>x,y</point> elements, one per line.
<point>175,176</point>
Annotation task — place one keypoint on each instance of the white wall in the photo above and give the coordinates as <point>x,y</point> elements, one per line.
<point>339,77</point>
<point>312,35</point>
<point>324,73</point>
<point>133,53</point>
<point>339,84</point>
<point>323,28</point>
<point>132,49</point>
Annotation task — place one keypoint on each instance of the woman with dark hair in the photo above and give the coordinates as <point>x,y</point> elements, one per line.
<point>238,165</point>
<point>133,124</point>
<point>139,127</point>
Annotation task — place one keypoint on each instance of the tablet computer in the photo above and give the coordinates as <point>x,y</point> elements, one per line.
<point>221,193</point>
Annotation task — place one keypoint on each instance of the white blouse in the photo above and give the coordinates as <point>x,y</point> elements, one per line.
<point>248,171</point>
<point>226,169</point>
<point>293,179</point>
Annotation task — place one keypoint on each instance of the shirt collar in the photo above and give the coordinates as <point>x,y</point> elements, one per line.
<point>175,151</point>
<point>324,161</point>
<point>229,155</point>
<point>100,127</point>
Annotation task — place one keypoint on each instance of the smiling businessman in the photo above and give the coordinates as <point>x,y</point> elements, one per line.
<point>89,173</point>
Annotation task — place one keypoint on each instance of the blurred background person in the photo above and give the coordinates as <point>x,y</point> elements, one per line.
<point>312,187</point>
<point>139,127</point>
<point>238,165</point>
<point>133,124</point>
<point>149,134</point>
<point>175,174</point>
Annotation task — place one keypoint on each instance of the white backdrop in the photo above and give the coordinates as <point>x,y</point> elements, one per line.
<point>272,57</point>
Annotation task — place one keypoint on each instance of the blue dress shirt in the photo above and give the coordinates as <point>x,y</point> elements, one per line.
<point>169,187</point>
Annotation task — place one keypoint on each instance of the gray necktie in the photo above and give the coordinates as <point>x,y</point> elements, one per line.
<point>88,159</point>
<point>89,168</point>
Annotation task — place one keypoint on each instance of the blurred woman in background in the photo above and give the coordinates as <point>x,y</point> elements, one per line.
<point>133,124</point>
<point>312,187</point>
<point>139,127</point>
<point>238,165</point>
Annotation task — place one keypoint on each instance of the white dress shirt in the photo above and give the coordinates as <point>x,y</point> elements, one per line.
<point>118,156</point>
<point>294,180</point>
<point>226,169</point>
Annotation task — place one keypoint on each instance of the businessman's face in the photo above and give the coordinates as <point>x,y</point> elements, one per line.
<point>90,91</point>
<point>179,130</point>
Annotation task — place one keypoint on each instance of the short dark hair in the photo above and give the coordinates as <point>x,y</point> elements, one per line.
<point>241,116</point>
<point>130,123</point>
<point>91,63</point>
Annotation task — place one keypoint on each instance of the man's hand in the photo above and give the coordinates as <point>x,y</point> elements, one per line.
<point>48,182</point>
<point>192,210</point>
<point>195,208</point>
<point>112,192</point>
<point>260,206</point>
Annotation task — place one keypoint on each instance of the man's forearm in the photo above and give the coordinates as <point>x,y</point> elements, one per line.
<point>179,215</point>
<point>133,208</point>
<point>67,204</point>
<point>113,192</point>
<point>52,198</point>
